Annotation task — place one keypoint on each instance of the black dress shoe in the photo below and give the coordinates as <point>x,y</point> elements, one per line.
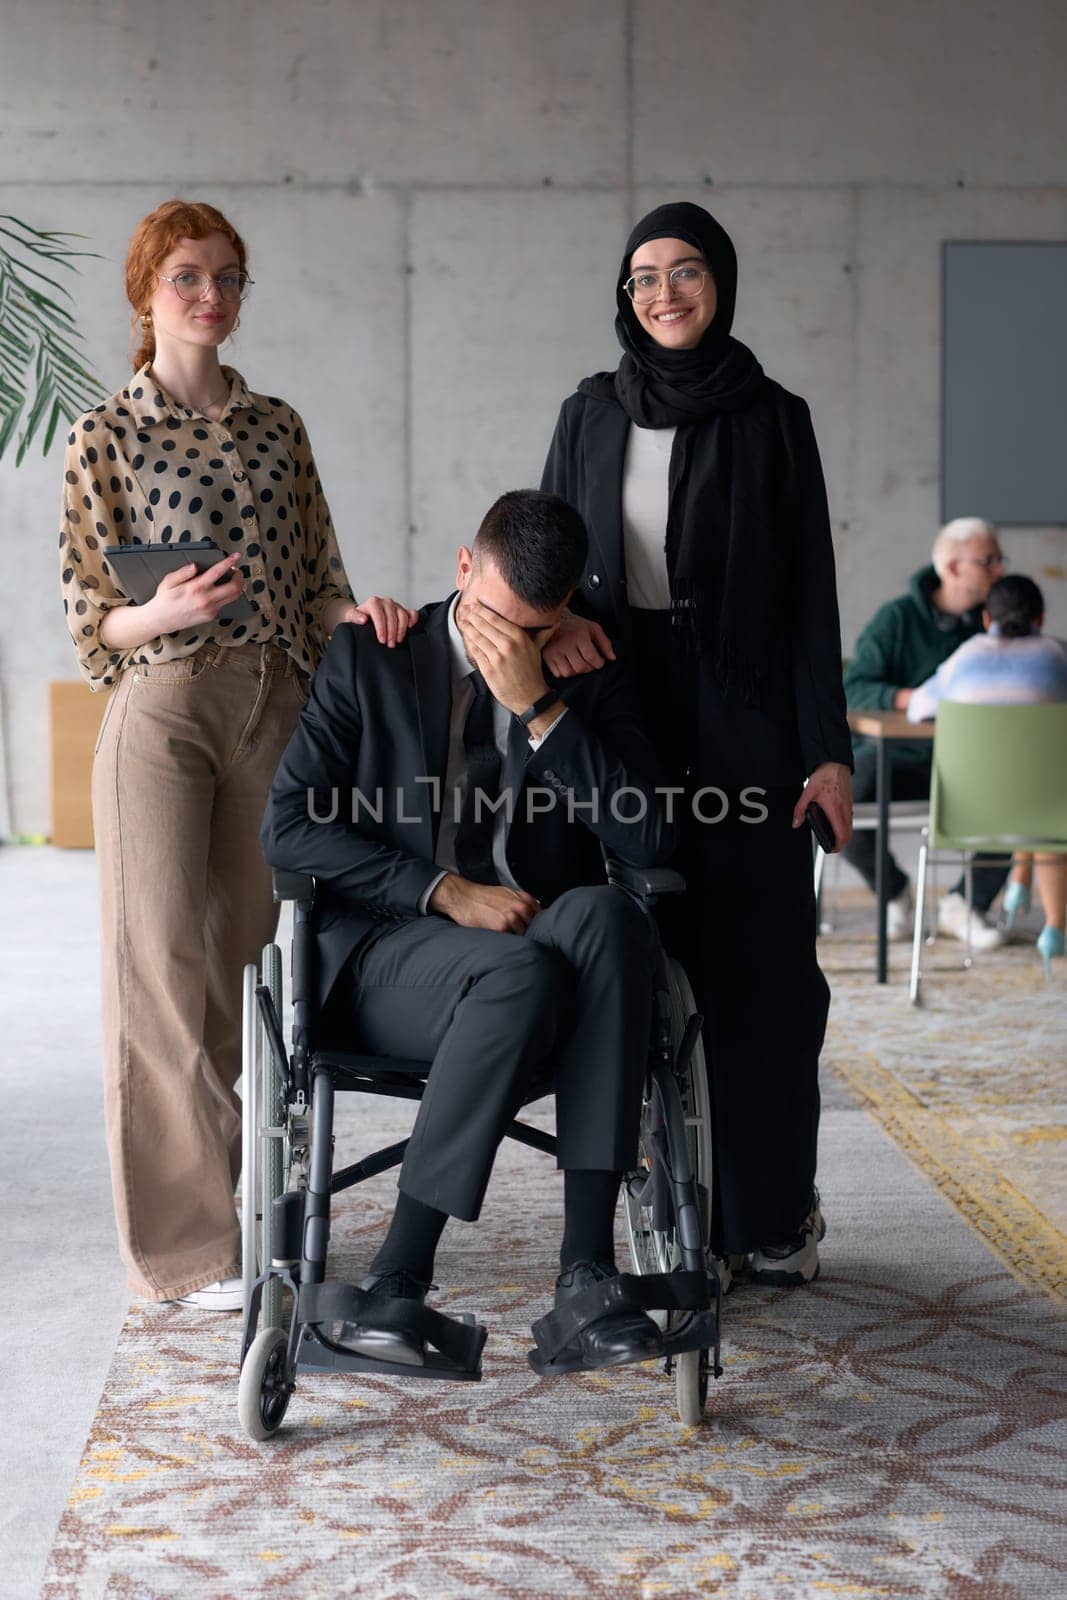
<point>617,1337</point>
<point>401,1345</point>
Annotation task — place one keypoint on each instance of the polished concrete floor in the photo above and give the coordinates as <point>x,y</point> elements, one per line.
<point>66,1295</point>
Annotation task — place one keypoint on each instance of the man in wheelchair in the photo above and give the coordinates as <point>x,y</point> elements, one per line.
<point>452,800</point>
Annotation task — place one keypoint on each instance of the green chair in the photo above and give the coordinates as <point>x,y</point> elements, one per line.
<point>999,782</point>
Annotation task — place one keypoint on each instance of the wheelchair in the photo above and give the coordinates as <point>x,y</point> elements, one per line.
<point>291,1309</point>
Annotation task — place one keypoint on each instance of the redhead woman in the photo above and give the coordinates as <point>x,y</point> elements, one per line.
<point>712,569</point>
<point>201,707</point>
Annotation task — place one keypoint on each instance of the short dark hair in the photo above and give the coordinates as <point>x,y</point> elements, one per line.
<point>1014,603</point>
<point>538,544</point>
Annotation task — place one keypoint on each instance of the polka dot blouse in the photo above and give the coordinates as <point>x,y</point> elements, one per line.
<point>141,469</point>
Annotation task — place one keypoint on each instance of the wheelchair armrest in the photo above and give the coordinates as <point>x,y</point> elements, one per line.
<point>292,886</point>
<point>644,882</point>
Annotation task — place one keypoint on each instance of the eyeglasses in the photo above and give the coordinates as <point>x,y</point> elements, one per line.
<point>644,287</point>
<point>232,286</point>
<point>988,562</point>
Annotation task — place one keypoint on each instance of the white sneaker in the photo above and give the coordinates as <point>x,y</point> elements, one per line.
<point>953,916</point>
<point>795,1260</point>
<point>225,1295</point>
<point>722,1266</point>
<point>900,915</point>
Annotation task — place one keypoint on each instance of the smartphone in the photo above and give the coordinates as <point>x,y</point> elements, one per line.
<point>820,827</point>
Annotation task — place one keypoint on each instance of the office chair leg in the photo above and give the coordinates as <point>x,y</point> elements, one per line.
<point>919,927</point>
<point>828,876</point>
<point>968,890</point>
<point>930,932</point>
<point>820,872</point>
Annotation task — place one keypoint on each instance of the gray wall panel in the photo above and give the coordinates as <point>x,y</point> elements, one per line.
<point>352,140</point>
<point>1004,381</point>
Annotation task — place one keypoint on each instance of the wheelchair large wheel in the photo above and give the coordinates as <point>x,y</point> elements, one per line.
<point>653,1244</point>
<point>267,1155</point>
<point>272,1153</point>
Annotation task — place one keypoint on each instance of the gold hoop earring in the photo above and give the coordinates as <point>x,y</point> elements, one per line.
<point>146,320</point>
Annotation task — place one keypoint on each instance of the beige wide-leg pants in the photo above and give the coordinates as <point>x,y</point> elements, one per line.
<point>184,761</point>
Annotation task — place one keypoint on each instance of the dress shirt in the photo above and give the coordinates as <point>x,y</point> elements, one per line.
<point>455,784</point>
<point>142,469</point>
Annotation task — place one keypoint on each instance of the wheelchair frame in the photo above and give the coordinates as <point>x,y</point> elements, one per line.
<point>667,1199</point>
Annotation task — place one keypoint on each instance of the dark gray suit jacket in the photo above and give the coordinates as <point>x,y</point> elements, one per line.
<point>370,751</point>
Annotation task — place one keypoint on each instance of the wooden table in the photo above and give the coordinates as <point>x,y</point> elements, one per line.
<point>885,728</point>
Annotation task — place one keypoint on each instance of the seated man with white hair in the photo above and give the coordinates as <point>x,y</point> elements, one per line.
<point>904,643</point>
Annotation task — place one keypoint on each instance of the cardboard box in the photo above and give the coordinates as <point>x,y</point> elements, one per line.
<point>76,714</point>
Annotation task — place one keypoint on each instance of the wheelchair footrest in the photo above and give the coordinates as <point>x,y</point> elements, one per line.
<point>558,1334</point>
<point>697,1330</point>
<point>455,1343</point>
<point>317,1353</point>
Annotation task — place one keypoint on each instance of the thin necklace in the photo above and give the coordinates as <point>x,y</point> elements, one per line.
<point>220,400</point>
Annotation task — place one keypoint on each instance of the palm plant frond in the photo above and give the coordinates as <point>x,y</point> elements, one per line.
<point>40,345</point>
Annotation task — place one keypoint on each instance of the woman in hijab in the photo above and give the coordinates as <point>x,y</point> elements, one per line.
<point>711,566</point>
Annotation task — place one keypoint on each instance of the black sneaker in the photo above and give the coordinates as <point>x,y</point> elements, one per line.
<point>793,1261</point>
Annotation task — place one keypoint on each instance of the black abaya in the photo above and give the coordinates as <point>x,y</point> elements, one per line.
<point>746,936</point>
<point>741,684</point>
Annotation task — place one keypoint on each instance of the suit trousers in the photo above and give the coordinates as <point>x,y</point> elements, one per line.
<point>185,758</point>
<point>568,1005</point>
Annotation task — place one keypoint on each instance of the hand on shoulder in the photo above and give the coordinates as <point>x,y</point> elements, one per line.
<point>389,618</point>
<point>577,646</point>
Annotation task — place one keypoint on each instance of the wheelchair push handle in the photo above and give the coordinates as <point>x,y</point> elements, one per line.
<point>299,886</point>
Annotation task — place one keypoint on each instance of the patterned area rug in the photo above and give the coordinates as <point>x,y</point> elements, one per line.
<point>972,1083</point>
<point>888,1432</point>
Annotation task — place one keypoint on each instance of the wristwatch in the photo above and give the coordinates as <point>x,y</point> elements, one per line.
<point>542,703</point>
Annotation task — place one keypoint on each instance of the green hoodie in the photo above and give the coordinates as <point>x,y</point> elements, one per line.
<point>905,641</point>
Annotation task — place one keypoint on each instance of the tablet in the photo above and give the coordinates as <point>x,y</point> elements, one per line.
<point>138,569</point>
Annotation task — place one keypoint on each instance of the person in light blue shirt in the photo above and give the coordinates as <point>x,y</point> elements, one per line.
<point>1012,663</point>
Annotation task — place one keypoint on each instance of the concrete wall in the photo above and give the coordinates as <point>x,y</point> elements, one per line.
<point>435,193</point>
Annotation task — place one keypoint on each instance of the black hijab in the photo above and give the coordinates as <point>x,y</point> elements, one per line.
<point>732,467</point>
<point>661,388</point>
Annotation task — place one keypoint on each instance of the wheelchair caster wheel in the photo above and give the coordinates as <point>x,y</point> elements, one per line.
<point>263,1395</point>
<point>691,1370</point>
